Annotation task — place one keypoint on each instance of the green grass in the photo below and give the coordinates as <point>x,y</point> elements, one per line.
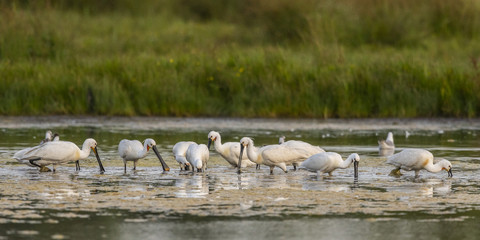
<point>272,58</point>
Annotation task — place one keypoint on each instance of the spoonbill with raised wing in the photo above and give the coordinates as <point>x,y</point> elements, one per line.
<point>387,143</point>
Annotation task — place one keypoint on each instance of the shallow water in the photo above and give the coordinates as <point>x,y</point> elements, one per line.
<point>149,203</point>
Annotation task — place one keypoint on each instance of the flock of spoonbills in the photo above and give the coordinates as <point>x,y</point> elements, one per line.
<point>243,154</point>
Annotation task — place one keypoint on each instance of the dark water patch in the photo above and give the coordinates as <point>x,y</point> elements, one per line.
<point>150,225</point>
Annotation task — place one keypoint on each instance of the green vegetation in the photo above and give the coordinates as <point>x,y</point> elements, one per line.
<point>241,58</point>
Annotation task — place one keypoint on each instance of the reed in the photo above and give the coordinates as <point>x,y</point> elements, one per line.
<point>319,59</point>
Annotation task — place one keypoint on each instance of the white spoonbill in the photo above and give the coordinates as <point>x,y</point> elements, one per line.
<point>55,138</point>
<point>303,146</point>
<point>230,151</point>
<point>197,155</point>
<point>134,150</point>
<point>48,138</point>
<point>272,155</point>
<point>281,139</point>
<point>179,150</point>
<point>327,162</point>
<point>57,152</point>
<point>387,143</point>
<point>416,160</point>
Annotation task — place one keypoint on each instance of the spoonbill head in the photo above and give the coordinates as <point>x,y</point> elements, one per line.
<point>92,144</point>
<point>417,159</point>
<point>179,151</point>
<point>212,137</point>
<point>57,152</point>
<point>230,151</point>
<point>133,150</point>
<point>197,155</point>
<point>327,162</point>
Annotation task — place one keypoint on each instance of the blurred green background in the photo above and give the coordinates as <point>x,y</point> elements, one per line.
<point>241,58</point>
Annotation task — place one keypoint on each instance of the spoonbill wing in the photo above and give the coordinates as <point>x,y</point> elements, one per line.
<point>278,153</point>
<point>411,158</point>
<point>60,151</point>
<point>129,147</point>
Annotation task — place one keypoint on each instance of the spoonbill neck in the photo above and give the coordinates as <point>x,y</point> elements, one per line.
<point>434,168</point>
<point>346,163</point>
<point>85,152</point>
<point>252,153</point>
<point>142,153</point>
<point>218,143</point>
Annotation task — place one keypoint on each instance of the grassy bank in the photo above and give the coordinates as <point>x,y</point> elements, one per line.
<point>347,58</point>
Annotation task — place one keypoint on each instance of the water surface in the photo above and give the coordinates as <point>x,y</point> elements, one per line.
<point>149,203</point>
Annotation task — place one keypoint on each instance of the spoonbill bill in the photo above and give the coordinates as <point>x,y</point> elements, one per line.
<point>272,155</point>
<point>327,162</point>
<point>197,155</point>
<point>387,143</point>
<point>134,150</point>
<point>417,159</point>
<point>57,152</point>
<point>179,150</point>
<point>230,151</point>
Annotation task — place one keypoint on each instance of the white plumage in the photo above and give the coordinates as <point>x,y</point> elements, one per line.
<point>230,151</point>
<point>48,138</point>
<point>133,150</point>
<point>179,150</point>
<point>197,155</point>
<point>387,143</point>
<point>416,160</point>
<point>272,155</point>
<point>302,146</point>
<point>57,152</point>
<point>327,162</point>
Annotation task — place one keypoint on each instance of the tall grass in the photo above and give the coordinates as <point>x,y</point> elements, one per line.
<point>272,58</point>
